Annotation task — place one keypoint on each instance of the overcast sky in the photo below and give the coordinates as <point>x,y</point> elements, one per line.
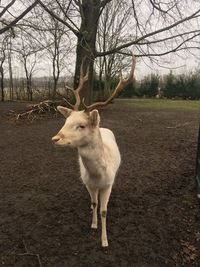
<point>182,62</point>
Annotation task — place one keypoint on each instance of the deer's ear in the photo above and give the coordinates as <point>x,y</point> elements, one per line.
<point>64,111</point>
<point>94,118</point>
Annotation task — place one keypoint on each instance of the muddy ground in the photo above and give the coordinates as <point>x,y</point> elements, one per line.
<point>153,214</point>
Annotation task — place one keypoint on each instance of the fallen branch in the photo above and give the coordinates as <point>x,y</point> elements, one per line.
<point>35,109</point>
<point>64,98</point>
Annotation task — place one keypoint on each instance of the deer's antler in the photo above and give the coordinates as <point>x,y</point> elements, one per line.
<point>83,78</point>
<point>122,83</point>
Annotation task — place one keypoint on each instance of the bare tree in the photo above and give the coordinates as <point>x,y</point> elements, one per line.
<point>9,51</point>
<point>85,30</point>
<point>3,57</point>
<point>28,51</point>
<point>52,36</point>
<point>2,61</point>
<point>157,28</point>
<point>110,34</point>
<point>57,45</point>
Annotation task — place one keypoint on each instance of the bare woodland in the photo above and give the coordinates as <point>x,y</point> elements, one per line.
<point>61,33</point>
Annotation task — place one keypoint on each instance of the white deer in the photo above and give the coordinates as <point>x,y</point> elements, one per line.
<point>99,156</point>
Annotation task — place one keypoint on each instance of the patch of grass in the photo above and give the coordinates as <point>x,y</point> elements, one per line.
<point>165,104</point>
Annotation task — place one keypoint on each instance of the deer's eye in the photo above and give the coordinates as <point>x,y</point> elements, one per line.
<point>81,127</point>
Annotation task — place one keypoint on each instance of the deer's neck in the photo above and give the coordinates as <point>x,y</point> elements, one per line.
<point>92,155</point>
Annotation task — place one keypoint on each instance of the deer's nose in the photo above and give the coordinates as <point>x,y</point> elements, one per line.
<point>55,139</point>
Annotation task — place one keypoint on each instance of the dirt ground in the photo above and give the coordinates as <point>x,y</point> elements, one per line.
<point>153,214</point>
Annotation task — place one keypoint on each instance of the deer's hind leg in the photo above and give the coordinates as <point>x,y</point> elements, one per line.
<point>94,204</point>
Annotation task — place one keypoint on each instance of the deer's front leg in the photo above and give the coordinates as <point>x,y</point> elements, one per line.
<point>104,198</point>
<point>94,204</point>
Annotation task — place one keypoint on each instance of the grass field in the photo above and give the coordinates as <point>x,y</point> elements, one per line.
<point>165,104</point>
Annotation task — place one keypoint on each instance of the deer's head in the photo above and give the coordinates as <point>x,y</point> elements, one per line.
<point>80,126</point>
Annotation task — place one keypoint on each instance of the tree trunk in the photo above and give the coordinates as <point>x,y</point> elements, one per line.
<point>90,11</point>
<point>2,83</point>
<point>29,88</point>
<point>56,74</point>
<point>10,69</point>
<point>28,81</point>
<point>11,78</point>
<point>56,70</point>
<point>55,83</point>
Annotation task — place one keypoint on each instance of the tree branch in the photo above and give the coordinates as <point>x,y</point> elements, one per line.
<point>177,48</point>
<point>117,49</point>
<point>167,38</point>
<point>104,3</point>
<point>65,13</point>
<point>7,7</point>
<point>58,18</point>
<point>11,24</point>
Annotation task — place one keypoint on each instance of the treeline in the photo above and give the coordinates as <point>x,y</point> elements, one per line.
<point>42,88</point>
<point>169,86</point>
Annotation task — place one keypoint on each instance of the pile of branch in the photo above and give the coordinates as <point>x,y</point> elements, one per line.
<point>34,110</point>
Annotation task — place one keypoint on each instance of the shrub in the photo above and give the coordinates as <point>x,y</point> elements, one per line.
<point>129,90</point>
<point>182,86</point>
<point>149,86</point>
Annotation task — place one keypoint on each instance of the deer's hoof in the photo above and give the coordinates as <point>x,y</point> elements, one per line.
<point>94,226</point>
<point>104,243</point>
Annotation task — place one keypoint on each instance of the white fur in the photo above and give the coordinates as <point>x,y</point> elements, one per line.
<point>99,157</point>
<point>100,160</point>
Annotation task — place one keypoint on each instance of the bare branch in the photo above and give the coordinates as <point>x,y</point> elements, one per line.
<point>58,18</point>
<point>168,38</point>
<point>65,13</point>
<point>116,49</point>
<point>40,108</point>
<point>104,3</point>
<point>11,24</point>
<point>7,7</point>
<point>157,6</point>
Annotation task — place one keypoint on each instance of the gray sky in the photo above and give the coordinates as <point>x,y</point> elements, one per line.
<point>182,62</point>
